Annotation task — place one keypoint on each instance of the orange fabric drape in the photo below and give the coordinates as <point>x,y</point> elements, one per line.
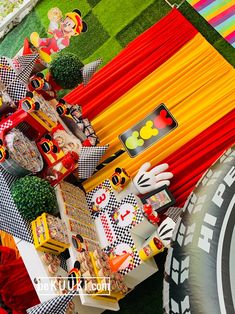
<point>8,241</point>
<point>142,56</point>
<point>197,86</point>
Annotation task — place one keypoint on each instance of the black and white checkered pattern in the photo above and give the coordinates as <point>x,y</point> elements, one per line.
<point>89,69</point>
<point>127,239</point>
<point>89,159</point>
<point>11,220</point>
<point>129,199</point>
<point>57,305</point>
<point>14,87</point>
<point>63,263</point>
<point>113,203</point>
<point>6,125</point>
<point>23,66</point>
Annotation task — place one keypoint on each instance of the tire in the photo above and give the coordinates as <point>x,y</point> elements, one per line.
<point>199,277</point>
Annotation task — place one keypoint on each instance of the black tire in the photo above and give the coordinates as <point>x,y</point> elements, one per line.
<point>37,105</point>
<point>55,149</point>
<point>62,101</point>
<point>198,273</point>
<point>48,137</point>
<point>29,94</point>
<point>77,265</point>
<point>80,238</point>
<point>40,74</point>
<point>7,154</point>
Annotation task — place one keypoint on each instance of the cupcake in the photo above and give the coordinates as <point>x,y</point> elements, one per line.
<point>52,269</point>
<point>86,274</point>
<point>101,272</point>
<point>97,253</point>
<point>99,263</point>
<point>47,258</point>
<point>56,261</point>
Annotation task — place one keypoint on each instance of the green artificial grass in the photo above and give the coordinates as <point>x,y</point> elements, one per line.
<point>87,43</point>
<point>93,3</point>
<point>114,15</point>
<point>65,6</point>
<point>107,51</point>
<point>112,24</point>
<point>14,40</point>
<point>199,22</point>
<point>211,35</point>
<point>146,19</point>
<point>226,50</point>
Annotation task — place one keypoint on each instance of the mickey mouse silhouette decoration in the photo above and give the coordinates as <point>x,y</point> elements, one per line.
<point>61,30</point>
<point>148,131</point>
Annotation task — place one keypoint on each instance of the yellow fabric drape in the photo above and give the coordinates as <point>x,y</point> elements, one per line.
<point>197,86</point>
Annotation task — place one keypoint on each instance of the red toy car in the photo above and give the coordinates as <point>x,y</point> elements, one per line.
<point>28,104</point>
<point>47,145</point>
<point>61,108</point>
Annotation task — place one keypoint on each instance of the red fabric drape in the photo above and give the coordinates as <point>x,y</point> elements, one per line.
<point>134,63</point>
<point>16,289</point>
<point>190,162</point>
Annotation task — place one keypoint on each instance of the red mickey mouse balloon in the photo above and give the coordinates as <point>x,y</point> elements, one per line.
<point>162,121</point>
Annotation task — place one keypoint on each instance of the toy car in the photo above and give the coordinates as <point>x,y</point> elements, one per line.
<point>28,104</point>
<point>74,277</point>
<point>47,145</point>
<point>119,179</point>
<point>150,214</point>
<point>37,81</point>
<point>79,243</point>
<point>61,108</point>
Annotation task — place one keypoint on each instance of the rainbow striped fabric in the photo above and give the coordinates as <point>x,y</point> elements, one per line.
<point>220,14</point>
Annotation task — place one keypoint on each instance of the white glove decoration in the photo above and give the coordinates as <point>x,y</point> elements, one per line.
<point>165,231</point>
<point>146,181</point>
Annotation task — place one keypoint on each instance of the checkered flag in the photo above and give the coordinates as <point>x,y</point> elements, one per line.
<point>11,220</point>
<point>57,305</point>
<point>89,69</point>
<point>89,159</point>
<point>23,66</point>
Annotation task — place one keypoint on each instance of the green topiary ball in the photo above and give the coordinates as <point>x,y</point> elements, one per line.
<point>65,70</point>
<point>33,196</point>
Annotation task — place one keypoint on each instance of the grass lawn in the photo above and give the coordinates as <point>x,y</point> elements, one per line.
<point>112,24</point>
<point>121,11</point>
